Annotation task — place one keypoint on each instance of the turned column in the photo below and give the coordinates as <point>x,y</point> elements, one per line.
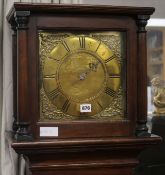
<point>14,65</point>
<point>141,129</point>
<point>21,18</point>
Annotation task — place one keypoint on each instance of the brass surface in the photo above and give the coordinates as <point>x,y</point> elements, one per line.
<point>77,69</point>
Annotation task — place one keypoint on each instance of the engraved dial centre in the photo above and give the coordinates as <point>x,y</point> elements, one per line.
<point>82,76</point>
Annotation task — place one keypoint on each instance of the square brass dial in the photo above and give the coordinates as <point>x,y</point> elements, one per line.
<point>82,69</point>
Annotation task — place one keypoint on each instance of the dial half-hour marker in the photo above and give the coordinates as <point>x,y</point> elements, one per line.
<point>82,42</point>
<point>100,105</point>
<point>66,46</point>
<point>50,76</point>
<point>66,105</point>
<point>110,58</point>
<point>114,76</point>
<point>53,94</point>
<point>110,92</point>
<point>56,59</point>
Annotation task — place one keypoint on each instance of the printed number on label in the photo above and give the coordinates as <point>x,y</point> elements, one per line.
<point>85,108</point>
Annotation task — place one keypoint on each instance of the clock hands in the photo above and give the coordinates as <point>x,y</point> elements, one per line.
<point>92,68</point>
<point>82,76</point>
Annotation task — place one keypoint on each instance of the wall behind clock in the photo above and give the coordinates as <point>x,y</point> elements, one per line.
<point>158,4</point>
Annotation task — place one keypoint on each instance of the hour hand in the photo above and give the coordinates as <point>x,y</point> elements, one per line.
<point>92,67</point>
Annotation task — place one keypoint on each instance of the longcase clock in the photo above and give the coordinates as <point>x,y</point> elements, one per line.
<point>80,93</point>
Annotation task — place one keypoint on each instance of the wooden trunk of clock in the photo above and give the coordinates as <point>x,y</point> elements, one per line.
<point>110,156</point>
<point>80,81</point>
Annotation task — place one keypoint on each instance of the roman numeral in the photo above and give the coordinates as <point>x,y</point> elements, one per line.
<point>66,46</point>
<point>110,92</point>
<point>66,105</point>
<point>53,94</point>
<point>50,76</point>
<point>110,58</point>
<point>82,42</point>
<point>98,46</point>
<point>114,76</point>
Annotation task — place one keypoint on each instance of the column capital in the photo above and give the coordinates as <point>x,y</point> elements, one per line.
<point>21,18</point>
<point>142,22</point>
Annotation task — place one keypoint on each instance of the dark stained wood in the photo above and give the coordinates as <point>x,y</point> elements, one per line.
<point>34,82</point>
<point>14,66</point>
<point>79,9</point>
<point>30,18</point>
<point>84,156</point>
<point>90,144</point>
<point>22,68</point>
<point>99,129</point>
<point>22,76</point>
<point>74,129</point>
<point>82,147</point>
<point>142,76</point>
<point>142,82</point>
<point>31,90</point>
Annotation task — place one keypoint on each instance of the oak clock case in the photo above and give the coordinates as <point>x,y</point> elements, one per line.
<point>82,72</point>
<point>70,57</point>
<point>66,61</point>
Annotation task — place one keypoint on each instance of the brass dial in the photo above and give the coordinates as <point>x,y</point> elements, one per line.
<point>79,70</point>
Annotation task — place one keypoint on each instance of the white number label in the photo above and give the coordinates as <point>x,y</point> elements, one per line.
<point>85,108</point>
<point>48,131</point>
